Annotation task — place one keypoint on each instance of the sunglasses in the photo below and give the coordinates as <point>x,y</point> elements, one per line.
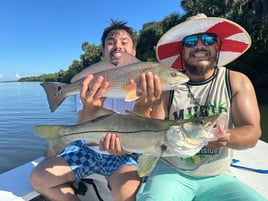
<point>206,38</point>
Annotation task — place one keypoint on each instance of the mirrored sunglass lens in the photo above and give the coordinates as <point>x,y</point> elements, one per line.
<point>208,39</point>
<point>190,41</point>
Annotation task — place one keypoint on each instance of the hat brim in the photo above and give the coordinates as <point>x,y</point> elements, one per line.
<point>234,40</point>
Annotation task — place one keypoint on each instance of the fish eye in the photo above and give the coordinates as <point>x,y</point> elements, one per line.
<point>174,74</point>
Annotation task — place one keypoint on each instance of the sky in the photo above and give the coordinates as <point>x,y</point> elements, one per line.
<point>45,36</point>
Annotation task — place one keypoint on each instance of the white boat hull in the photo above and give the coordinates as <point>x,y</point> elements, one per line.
<point>15,186</point>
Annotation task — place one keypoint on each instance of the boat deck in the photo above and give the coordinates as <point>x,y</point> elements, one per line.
<point>253,170</point>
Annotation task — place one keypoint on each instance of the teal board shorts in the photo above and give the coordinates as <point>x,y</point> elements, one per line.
<point>167,184</point>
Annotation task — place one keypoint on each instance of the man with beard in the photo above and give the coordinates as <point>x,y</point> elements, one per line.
<point>200,47</point>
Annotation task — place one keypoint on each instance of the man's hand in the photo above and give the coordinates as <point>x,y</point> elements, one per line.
<point>150,92</point>
<point>92,92</point>
<point>91,95</point>
<point>221,142</point>
<point>151,88</point>
<point>111,143</point>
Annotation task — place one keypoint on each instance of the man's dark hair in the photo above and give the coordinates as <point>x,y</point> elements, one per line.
<point>119,25</point>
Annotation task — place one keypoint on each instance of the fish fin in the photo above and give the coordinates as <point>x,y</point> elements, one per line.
<point>146,164</point>
<point>131,93</point>
<point>126,59</point>
<point>135,114</point>
<point>100,112</point>
<point>91,144</point>
<point>55,147</point>
<point>92,69</point>
<point>54,94</point>
<point>52,134</point>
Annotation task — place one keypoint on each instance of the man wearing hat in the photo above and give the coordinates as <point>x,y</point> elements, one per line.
<point>201,47</point>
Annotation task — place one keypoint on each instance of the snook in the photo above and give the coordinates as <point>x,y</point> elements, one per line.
<point>119,78</point>
<point>152,138</point>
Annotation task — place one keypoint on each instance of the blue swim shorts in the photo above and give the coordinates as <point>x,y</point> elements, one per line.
<point>85,161</point>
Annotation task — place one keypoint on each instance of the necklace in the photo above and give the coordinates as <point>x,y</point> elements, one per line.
<point>203,107</point>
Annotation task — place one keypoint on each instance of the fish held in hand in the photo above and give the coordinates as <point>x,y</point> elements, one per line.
<point>152,138</point>
<point>119,78</point>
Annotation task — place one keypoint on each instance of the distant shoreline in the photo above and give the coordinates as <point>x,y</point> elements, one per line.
<point>10,81</point>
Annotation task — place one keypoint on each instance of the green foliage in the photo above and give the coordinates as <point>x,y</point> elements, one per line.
<point>170,21</point>
<point>41,78</point>
<point>147,41</point>
<point>151,33</point>
<point>92,55</point>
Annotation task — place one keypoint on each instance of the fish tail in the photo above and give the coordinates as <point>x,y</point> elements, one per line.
<point>53,134</point>
<point>54,94</point>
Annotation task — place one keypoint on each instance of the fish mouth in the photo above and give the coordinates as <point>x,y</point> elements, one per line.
<point>181,86</point>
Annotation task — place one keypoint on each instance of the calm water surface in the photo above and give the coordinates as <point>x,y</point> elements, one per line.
<point>24,104</point>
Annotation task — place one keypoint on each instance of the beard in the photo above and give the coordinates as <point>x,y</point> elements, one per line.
<point>201,69</point>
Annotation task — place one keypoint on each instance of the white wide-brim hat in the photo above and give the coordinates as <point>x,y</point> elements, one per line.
<point>234,39</point>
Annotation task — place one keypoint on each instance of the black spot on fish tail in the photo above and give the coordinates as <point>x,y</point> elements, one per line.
<point>55,94</point>
<point>59,88</point>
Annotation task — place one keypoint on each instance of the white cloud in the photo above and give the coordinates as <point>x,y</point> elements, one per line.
<point>9,77</point>
<point>17,75</point>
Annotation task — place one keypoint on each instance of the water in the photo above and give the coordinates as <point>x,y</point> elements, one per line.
<point>23,105</point>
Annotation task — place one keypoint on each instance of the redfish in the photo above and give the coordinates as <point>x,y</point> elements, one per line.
<point>119,78</point>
